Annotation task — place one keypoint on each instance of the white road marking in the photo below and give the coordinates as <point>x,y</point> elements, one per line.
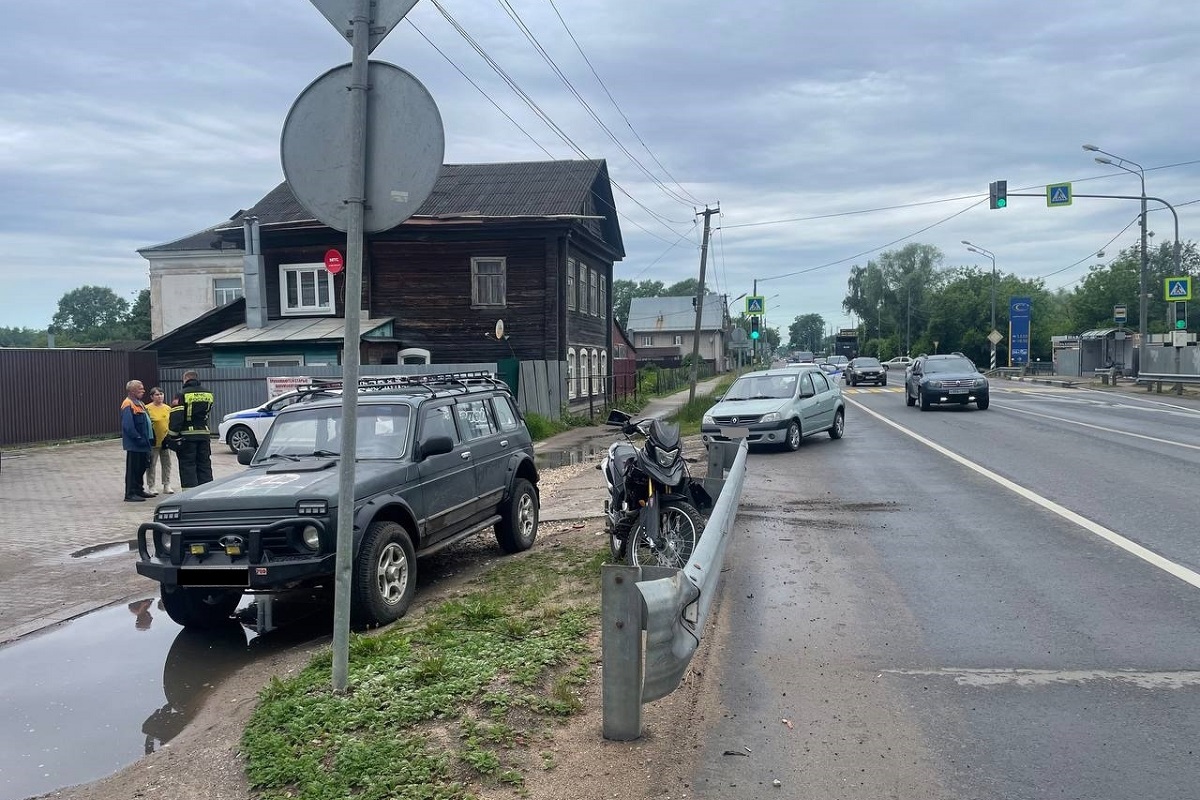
<point>1044,677</point>
<point>1154,439</point>
<point>1133,548</point>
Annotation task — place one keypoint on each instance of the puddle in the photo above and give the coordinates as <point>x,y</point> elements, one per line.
<point>83,700</point>
<point>102,550</point>
<point>549,459</point>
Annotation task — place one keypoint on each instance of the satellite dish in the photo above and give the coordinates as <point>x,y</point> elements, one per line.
<point>499,329</point>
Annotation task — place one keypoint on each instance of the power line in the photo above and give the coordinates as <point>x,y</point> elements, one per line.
<point>537,45</point>
<point>618,108</point>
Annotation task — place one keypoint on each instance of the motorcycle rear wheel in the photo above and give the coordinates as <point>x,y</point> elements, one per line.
<point>680,526</point>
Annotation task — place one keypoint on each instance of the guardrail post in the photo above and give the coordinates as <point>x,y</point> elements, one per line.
<point>621,652</point>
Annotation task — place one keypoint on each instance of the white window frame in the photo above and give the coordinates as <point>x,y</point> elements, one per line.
<point>571,369</point>
<point>678,340</point>
<point>603,310</point>
<point>581,286</point>
<point>584,376</point>
<point>229,293</point>
<point>647,341</point>
<point>571,284</point>
<point>275,361</point>
<point>604,372</point>
<point>595,374</point>
<point>593,292</point>
<point>501,279</point>
<point>321,274</point>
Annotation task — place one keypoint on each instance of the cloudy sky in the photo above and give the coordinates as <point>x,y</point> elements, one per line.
<point>827,131</point>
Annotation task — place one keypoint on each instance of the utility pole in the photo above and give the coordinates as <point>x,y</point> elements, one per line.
<point>708,212</point>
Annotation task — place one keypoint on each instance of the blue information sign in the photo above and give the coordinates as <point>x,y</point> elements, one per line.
<point>1018,330</point>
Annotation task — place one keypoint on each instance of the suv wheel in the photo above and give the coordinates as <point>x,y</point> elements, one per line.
<point>385,575</point>
<point>518,523</point>
<point>199,607</point>
<point>983,402</point>
<point>908,398</point>
<point>239,437</point>
<point>792,440</point>
<point>923,399</point>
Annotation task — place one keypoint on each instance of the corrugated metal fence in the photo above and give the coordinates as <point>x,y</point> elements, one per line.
<point>50,395</point>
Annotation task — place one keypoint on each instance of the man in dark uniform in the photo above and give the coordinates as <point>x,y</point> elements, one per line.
<point>189,428</point>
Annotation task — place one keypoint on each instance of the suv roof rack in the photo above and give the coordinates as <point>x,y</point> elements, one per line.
<point>430,383</point>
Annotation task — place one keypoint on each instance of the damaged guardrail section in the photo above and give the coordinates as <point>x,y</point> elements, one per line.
<point>670,605</point>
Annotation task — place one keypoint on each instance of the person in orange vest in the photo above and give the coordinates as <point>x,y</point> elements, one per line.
<point>137,437</point>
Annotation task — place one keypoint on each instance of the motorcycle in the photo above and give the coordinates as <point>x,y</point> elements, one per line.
<point>652,514</point>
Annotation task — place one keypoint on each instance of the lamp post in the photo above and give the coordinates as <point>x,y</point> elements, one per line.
<point>983,251</point>
<point>1120,163</point>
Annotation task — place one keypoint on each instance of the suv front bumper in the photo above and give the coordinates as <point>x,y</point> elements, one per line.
<point>943,397</point>
<point>254,567</point>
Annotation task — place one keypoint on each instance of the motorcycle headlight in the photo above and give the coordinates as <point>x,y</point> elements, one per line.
<point>707,420</point>
<point>771,417</point>
<point>311,537</point>
<point>666,458</point>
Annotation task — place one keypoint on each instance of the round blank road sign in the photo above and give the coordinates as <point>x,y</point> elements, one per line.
<point>405,147</point>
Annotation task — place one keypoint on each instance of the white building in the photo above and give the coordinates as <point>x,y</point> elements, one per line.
<point>190,276</point>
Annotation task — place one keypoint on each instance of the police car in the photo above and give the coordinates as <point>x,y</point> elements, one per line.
<point>246,428</point>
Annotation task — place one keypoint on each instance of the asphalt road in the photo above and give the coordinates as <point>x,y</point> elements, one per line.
<point>966,604</point>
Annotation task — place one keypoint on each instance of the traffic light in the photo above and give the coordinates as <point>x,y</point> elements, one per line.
<point>754,332</point>
<point>998,194</point>
<point>1180,315</point>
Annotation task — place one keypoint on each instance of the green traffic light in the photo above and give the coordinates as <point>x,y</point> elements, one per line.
<point>753,334</point>
<point>1180,324</point>
<point>1001,202</point>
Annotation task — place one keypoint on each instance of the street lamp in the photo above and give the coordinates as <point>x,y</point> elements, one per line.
<point>983,251</point>
<point>1120,163</point>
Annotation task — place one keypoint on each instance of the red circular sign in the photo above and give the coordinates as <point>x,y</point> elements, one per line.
<point>334,262</point>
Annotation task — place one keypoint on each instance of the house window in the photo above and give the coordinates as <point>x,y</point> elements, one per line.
<point>604,371</point>
<point>619,351</point>
<point>594,291</point>
<point>571,367</point>
<point>582,286</point>
<point>487,282</point>
<point>274,361</point>
<point>226,290</point>
<point>597,386</point>
<point>305,289</point>
<point>603,311</point>
<point>584,375</point>
<point>678,340</point>
<point>647,341</point>
<point>571,284</point>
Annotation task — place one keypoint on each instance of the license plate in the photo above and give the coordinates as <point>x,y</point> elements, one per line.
<point>215,576</point>
<point>958,391</point>
<point>735,433</point>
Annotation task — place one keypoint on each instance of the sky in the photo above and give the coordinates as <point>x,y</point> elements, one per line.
<point>826,132</point>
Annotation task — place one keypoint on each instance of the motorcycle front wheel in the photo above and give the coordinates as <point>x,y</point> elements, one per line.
<point>679,526</point>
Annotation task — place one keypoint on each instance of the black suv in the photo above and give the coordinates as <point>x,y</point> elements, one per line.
<point>941,379</point>
<point>865,369</point>
<point>439,458</point>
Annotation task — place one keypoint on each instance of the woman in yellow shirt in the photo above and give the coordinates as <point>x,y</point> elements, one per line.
<point>160,456</point>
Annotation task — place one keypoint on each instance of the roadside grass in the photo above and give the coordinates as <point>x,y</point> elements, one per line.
<point>689,415</point>
<point>461,696</point>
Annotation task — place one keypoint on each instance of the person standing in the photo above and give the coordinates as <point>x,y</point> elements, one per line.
<point>136,438</point>
<point>160,456</point>
<point>189,427</point>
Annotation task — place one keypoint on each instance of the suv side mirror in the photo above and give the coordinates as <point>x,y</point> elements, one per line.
<point>246,455</point>
<point>435,446</point>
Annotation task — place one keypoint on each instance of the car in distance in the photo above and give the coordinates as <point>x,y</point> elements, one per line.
<point>865,369</point>
<point>439,458</point>
<point>777,407</point>
<point>840,361</point>
<point>945,379</point>
<point>248,427</point>
<point>899,362</point>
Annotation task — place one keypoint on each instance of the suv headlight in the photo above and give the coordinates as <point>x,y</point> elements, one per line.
<point>171,514</point>
<point>311,537</point>
<point>981,383</point>
<point>934,384</point>
<point>312,508</point>
<point>770,417</point>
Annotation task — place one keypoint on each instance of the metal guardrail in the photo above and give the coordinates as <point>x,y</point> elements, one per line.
<point>670,605</point>
<point>1157,379</point>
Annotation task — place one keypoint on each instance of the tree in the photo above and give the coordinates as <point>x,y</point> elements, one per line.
<point>137,321</point>
<point>806,332</point>
<point>90,314</point>
<point>22,337</point>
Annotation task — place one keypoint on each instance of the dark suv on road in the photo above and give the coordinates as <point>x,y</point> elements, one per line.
<point>865,369</point>
<point>439,458</point>
<point>943,379</point>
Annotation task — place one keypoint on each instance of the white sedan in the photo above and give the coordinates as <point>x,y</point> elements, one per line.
<point>246,428</point>
<point>899,362</point>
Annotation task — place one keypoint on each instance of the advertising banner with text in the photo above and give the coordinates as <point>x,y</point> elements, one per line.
<point>1018,330</point>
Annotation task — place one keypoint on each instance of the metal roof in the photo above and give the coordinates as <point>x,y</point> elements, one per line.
<point>296,329</point>
<point>1103,333</point>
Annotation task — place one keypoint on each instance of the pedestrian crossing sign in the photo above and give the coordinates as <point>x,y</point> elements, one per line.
<point>1058,194</point>
<point>1177,288</point>
<point>755,304</point>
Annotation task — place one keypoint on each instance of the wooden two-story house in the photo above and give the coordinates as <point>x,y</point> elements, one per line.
<point>530,244</point>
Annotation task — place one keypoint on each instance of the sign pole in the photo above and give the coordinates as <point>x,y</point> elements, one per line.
<point>355,192</point>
